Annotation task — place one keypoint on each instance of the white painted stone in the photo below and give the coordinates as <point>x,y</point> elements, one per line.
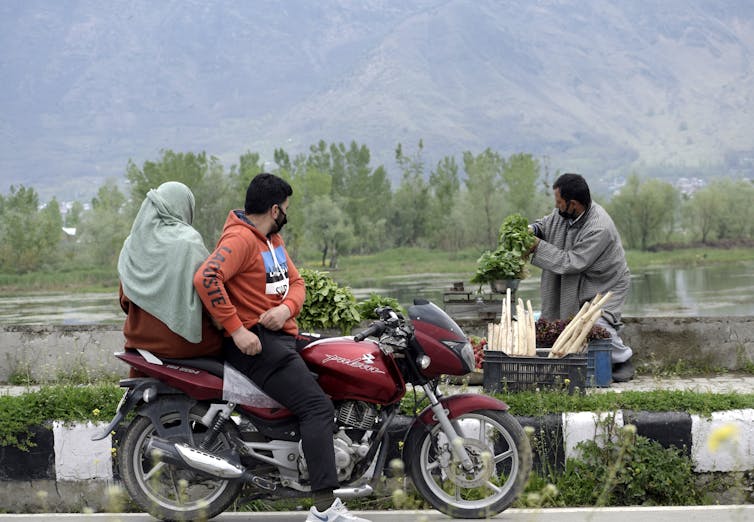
<point>733,430</point>
<point>77,457</point>
<point>582,426</point>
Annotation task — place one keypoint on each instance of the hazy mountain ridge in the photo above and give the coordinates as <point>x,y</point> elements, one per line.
<point>599,88</point>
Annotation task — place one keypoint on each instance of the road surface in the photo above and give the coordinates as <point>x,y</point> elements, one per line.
<point>741,513</point>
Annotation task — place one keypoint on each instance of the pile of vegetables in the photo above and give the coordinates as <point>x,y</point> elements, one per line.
<point>508,260</point>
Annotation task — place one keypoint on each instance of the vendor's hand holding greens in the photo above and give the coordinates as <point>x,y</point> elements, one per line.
<point>508,260</point>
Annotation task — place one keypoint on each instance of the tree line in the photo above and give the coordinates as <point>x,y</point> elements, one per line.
<point>343,205</point>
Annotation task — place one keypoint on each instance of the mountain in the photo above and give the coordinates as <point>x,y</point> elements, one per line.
<point>601,87</point>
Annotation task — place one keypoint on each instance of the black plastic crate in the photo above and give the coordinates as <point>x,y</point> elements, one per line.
<point>505,373</point>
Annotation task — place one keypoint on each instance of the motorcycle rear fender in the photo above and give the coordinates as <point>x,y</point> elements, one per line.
<point>457,405</point>
<point>137,390</point>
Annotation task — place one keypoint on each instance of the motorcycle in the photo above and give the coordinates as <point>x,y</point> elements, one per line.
<point>199,433</point>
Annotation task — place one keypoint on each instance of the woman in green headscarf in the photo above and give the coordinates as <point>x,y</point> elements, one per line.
<point>156,268</point>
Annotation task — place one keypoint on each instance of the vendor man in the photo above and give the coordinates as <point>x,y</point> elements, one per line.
<point>579,251</point>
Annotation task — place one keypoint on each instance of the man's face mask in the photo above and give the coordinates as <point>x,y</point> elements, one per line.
<point>565,214</point>
<point>281,220</point>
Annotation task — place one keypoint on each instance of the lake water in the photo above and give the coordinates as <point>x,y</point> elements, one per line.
<point>720,290</point>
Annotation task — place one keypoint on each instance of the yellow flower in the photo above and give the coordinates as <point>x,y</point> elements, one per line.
<point>726,433</point>
<point>95,412</point>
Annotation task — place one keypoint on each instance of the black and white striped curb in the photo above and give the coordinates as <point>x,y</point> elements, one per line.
<point>720,442</point>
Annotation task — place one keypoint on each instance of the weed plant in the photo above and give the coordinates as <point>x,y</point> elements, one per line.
<point>621,468</point>
<point>19,414</point>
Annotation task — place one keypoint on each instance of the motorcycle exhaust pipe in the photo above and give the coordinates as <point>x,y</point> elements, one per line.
<point>185,456</point>
<point>358,491</point>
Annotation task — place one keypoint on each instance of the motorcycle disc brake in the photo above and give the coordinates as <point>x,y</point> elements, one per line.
<point>481,456</point>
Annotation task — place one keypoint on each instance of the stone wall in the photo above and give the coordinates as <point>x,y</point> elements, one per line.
<point>53,353</point>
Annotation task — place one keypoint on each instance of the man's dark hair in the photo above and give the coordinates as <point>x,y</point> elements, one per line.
<point>264,191</point>
<point>573,187</point>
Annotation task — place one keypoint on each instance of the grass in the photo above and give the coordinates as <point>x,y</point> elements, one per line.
<point>97,402</point>
<point>18,414</point>
<point>685,257</point>
<point>70,279</point>
<point>534,404</point>
<point>624,473</point>
<point>361,270</point>
<point>365,270</point>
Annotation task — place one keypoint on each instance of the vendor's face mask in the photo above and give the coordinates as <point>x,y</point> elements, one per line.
<point>565,214</point>
<point>562,206</point>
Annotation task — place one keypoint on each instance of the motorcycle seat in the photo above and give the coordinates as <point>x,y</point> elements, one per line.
<point>213,365</point>
<point>209,364</point>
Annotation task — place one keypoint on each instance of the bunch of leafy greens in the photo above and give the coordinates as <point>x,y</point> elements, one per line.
<point>327,305</point>
<point>508,260</point>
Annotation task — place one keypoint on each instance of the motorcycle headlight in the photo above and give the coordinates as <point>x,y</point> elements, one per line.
<point>424,361</point>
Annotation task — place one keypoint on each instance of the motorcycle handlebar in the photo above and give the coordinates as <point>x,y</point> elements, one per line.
<point>376,328</point>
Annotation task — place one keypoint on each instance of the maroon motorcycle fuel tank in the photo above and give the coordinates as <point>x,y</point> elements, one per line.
<point>350,370</point>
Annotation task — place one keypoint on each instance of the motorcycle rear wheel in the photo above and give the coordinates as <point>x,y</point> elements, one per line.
<point>499,450</point>
<point>168,492</point>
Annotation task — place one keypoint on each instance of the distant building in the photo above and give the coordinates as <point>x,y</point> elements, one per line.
<point>687,186</point>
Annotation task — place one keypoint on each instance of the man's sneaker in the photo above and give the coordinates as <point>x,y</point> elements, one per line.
<point>338,512</point>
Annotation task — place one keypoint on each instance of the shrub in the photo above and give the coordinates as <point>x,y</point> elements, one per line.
<point>327,305</point>
<point>633,471</point>
<point>366,308</point>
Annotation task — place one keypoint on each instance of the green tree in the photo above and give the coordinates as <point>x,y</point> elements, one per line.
<point>215,197</point>
<point>735,218</point>
<point>362,191</point>
<point>411,201</point>
<point>721,210</point>
<point>642,210</point>
<point>308,184</point>
<point>444,188</point>
<point>484,193</point>
<point>188,168</point>
<point>105,226</point>
<point>700,213</point>
<point>328,225</point>
<point>29,233</point>
<point>249,165</point>
<point>73,216</point>
<point>213,191</point>
<point>520,175</point>
<point>49,232</point>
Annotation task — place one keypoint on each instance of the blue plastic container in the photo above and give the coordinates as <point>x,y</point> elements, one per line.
<point>599,364</point>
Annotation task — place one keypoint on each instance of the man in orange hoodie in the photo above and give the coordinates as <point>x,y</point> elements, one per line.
<point>251,287</point>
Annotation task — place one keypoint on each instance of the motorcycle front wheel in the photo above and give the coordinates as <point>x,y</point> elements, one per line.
<point>501,457</point>
<point>168,492</point>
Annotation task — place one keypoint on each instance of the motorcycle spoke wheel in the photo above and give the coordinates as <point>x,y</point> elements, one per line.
<point>169,492</point>
<point>501,457</point>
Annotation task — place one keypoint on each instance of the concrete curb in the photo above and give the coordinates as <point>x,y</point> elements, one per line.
<point>65,459</point>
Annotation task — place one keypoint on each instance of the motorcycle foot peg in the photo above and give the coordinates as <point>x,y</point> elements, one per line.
<point>259,481</point>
